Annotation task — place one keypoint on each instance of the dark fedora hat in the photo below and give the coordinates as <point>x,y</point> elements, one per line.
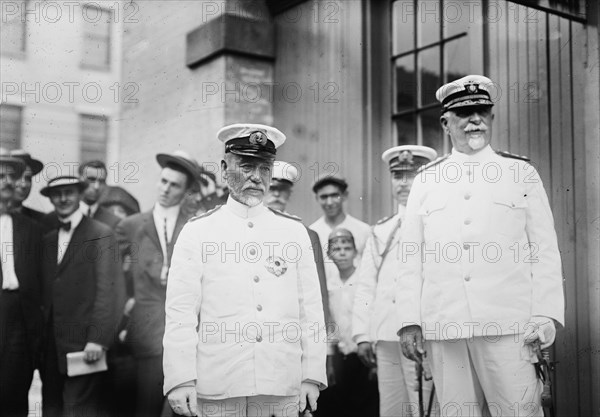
<point>35,165</point>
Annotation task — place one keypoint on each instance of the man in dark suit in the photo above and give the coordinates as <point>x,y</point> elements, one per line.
<point>93,174</point>
<point>20,295</point>
<point>148,238</point>
<point>82,285</point>
<point>23,185</point>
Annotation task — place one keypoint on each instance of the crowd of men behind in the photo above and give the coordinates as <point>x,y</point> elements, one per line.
<point>90,278</point>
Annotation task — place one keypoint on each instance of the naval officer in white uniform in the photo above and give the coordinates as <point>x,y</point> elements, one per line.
<point>244,319</point>
<point>481,277</point>
<point>374,318</point>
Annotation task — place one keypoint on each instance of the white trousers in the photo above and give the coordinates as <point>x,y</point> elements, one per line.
<point>482,376</point>
<point>255,406</point>
<point>398,385</point>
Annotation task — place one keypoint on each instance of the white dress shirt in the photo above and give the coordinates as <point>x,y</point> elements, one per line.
<point>360,230</point>
<point>64,237</point>
<point>7,251</point>
<point>88,210</point>
<point>161,216</point>
<point>341,303</point>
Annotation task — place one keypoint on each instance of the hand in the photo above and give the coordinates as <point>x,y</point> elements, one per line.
<point>330,369</point>
<point>411,341</point>
<point>308,392</point>
<point>128,306</point>
<point>122,336</point>
<point>366,355</point>
<point>183,401</point>
<point>93,352</point>
<point>540,328</point>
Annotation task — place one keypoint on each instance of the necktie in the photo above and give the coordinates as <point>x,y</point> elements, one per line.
<point>89,213</point>
<point>165,268</point>
<point>66,226</point>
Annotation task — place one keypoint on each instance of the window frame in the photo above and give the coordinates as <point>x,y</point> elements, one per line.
<point>87,35</point>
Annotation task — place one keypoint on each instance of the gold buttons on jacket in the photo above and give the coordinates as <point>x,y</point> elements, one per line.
<point>467,278</point>
<point>256,278</point>
<point>259,338</point>
<point>467,196</point>
<point>467,221</point>
<point>259,307</point>
<point>466,246</point>
<point>250,224</point>
<point>252,251</point>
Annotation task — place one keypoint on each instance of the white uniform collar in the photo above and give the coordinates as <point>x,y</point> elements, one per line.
<point>244,211</point>
<point>483,155</point>
<point>401,210</point>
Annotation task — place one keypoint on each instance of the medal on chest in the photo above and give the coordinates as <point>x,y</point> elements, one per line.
<point>276,265</point>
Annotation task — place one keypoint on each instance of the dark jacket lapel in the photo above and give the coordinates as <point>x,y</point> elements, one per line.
<point>74,243</point>
<point>150,229</point>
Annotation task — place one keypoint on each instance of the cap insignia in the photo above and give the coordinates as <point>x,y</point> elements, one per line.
<point>258,138</point>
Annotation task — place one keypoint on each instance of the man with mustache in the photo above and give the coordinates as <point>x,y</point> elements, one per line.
<point>83,289</point>
<point>374,318</point>
<point>20,293</point>
<point>147,239</point>
<point>481,277</point>
<point>23,186</point>
<point>244,327</point>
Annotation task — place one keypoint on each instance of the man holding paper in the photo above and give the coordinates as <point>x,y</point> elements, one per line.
<point>82,289</point>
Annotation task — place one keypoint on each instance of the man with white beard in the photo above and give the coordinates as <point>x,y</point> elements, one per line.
<point>244,318</point>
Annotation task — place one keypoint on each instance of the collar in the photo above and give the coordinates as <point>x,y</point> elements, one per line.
<point>84,207</point>
<point>401,210</point>
<point>244,211</point>
<point>483,155</point>
<point>74,218</point>
<point>169,212</point>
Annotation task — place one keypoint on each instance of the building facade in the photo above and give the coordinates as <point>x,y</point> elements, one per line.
<point>345,80</point>
<point>60,68</point>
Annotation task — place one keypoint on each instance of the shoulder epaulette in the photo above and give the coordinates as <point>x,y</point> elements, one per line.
<point>512,155</point>
<point>288,215</point>
<point>382,221</point>
<point>203,215</point>
<point>433,163</point>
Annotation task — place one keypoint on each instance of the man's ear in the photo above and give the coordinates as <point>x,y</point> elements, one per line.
<point>224,169</point>
<point>444,122</point>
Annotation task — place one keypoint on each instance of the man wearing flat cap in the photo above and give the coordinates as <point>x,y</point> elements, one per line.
<point>480,279</point>
<point>331,192</point>
<point>20,293</point>
<point>23,186</point>
<point>82,286</point>
<point>147,239</point>
<point>244,329</point>
<point>375,320</point>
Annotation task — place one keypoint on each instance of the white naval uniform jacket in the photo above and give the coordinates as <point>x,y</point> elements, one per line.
<point>375,315</point>
<point>480,253</point>
<point>244,314</point>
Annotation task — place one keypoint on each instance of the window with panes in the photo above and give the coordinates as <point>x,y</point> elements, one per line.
<point>96,37</point>
<point>431,45</point>
<point>94,137</point>
<point>13,28</point>
<point>11,121</point>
